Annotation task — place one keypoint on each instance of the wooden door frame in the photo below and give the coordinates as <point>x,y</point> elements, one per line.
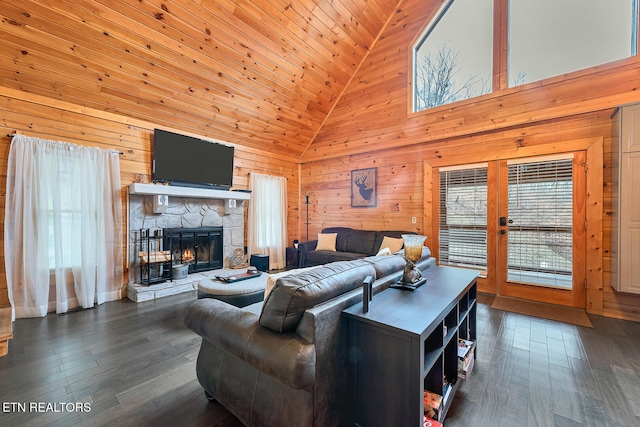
<point>593,205</point>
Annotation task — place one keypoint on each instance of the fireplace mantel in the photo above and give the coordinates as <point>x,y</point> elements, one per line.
<point>177,191</point>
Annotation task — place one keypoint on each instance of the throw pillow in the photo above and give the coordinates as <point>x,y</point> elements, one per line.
<point>383,251</point>
<point>273,278</point>
<point>394,244</point>
<point>327,242</point>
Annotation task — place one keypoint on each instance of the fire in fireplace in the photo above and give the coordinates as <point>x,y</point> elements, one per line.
<point>187,257</point>
<point>201,248</point>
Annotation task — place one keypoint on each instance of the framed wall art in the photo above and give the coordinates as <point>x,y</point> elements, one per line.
<point>364,188</point>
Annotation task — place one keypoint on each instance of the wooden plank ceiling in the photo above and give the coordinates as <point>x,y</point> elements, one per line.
<point>260,73</point>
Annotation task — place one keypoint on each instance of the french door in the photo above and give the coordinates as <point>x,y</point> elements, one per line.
<point>541,223</point>
<point>521,223</point>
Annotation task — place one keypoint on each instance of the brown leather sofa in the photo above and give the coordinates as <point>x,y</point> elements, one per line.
<point>284,361</point>
<point>350,245</point>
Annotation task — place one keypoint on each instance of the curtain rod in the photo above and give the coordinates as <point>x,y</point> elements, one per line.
<point>11,135</point>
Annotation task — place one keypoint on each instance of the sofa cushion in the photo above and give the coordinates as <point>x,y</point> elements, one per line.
<point>362,241</point>
<point>325,257</point>
<point>343,235</point>
<point>294,294</point>
<point>385,265</point>
<point>326,242</point>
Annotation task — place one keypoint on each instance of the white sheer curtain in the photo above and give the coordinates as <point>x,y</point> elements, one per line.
<point>268,218</point>
<point>63,226</point>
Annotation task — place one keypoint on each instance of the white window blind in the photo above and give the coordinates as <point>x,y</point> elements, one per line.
<point>540,222</point>
<point>463,217</point>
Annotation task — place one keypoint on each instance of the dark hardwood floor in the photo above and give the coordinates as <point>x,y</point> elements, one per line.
<point>535,372</point>
<point>134,365</point>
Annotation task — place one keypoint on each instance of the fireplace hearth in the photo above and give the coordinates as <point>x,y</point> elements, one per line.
<point>201,248</point>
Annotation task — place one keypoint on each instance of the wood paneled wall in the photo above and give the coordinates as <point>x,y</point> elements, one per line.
<point>399,193</point>
<point>50,119</point>
<point>400,188</point>
<point>372,125</point>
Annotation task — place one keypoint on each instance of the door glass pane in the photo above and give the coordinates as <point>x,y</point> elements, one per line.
<point>463,217</point>
<point>540,223</point>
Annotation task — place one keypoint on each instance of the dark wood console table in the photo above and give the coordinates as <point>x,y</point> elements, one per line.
<point>407,343</point>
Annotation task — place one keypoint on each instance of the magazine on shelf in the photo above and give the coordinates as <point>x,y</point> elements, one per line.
<point>465,370</point>
<point>432,400</point>
<point>446,390</point>
<point>430,422</point>
<point>464,347</point>
<point>465,358</point>
<point>432,404</point>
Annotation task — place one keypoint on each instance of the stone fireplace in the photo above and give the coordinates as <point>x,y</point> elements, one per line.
<point>205,221</point>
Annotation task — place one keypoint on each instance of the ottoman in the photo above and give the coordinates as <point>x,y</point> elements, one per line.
<point>240,293</point>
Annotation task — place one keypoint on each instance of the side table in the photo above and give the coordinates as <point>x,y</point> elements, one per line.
<point>292,258</point>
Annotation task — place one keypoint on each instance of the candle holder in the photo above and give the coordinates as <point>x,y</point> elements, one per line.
<point>412,277</point>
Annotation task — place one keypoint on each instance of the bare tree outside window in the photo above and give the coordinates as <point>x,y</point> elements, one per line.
<point>453,62</point>
<point>519,79</point>
<point>438,81</point>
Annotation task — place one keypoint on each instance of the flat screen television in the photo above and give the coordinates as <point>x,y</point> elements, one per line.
<point>191,162</point>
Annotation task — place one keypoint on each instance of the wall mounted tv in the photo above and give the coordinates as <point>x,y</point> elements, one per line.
<point>191,162</point>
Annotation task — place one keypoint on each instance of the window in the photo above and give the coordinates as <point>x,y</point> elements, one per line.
<point>268,218</point>
<point>453,59</point>
<point>551,37</point>
<point>65,215</point>
<point>540,222</point>
<point>63,225</point>
<point>463,216</point>
<point>452,65</point>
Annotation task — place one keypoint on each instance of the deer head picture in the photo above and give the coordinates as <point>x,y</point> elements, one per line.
<point>363,187</point>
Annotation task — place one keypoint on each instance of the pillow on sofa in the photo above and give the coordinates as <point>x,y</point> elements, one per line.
<point>343,236</point>
<point>384,251</point>
<point>394,244</point>
<point>273,278</point>
<point>327,242</point>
